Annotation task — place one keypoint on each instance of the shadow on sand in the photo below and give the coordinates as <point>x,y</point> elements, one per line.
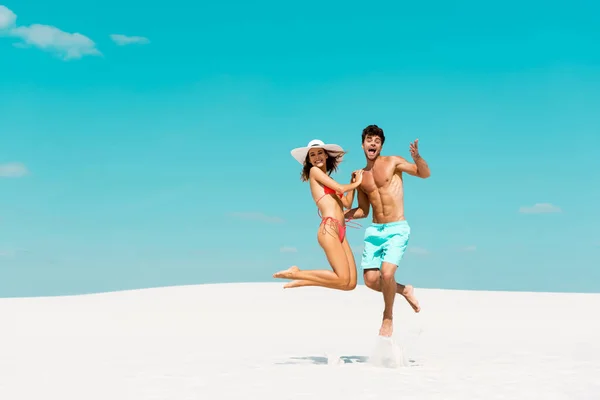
<point>323,360</point>
<point>319,360</point>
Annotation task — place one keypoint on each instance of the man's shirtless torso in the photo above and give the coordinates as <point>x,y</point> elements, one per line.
<point>382,187</point>
<point>386,239</point>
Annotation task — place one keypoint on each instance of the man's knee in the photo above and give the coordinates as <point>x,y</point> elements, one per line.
<point>388,271</point>
<point>371,278</point>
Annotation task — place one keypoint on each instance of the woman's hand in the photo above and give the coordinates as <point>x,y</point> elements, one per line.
<point>357,176</point>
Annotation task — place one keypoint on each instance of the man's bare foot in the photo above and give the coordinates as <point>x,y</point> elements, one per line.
<point>387,328</point>
<point>409,295</point>
<point>287,274</point>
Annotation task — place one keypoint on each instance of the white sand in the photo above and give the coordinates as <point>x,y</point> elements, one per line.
<point>258,341</point>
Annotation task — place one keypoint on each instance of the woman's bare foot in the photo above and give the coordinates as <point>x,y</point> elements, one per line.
<point>409,295</point>
<point>287,274</point>
<point>387,328</point>
<point>297,283</point>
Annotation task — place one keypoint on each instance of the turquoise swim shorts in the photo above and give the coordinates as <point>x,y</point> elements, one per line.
<point>385,243</point>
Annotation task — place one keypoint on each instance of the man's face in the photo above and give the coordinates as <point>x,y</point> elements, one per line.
<point>372,147</point>
<point>317,157</point>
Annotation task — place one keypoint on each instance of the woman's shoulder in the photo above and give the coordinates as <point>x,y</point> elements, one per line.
<point>316,171</point>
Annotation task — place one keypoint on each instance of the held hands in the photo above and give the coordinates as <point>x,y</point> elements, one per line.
<point>357,176</point>
<point>414,150</point>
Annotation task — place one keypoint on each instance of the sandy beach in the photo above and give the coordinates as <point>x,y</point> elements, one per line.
<point>254,340</point>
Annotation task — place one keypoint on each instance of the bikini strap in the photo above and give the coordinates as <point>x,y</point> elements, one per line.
<point>352,223</point>
<point>349,221</point>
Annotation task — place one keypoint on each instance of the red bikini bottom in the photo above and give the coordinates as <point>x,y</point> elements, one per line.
<point>341,228</point>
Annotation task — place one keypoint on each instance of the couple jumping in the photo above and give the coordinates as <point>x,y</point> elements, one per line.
<point>378,185</point>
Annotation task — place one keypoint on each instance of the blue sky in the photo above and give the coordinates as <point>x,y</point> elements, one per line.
<point>161,156</point>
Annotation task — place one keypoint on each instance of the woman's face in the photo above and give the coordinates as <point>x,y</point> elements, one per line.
<point>317,157</point>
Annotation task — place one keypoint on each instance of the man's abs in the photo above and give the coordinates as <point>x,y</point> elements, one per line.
<point>387,202</point>
<point>386,207</point>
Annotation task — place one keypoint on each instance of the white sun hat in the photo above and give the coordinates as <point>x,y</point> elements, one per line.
<point>300,153</point>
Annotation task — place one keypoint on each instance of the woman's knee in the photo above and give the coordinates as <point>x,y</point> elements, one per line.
<point>348,286</point>
<point>351,285</point>
<point>345,282</point>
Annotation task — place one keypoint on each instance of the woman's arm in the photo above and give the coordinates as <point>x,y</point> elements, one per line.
<point>326,180</point>
<point>362,211</point>
<point>348,197</point>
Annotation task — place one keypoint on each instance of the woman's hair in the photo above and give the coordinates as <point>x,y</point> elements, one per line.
<point>331,164</point>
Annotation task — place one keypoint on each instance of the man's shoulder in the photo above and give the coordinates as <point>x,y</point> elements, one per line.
<point>392,159</point>
<point>393,164</point>
<point>397,158</point>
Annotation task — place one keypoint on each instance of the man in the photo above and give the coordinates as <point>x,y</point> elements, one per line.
<point>386,239</point>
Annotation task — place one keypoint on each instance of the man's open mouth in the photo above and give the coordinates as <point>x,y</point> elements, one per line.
<point>371,151</point>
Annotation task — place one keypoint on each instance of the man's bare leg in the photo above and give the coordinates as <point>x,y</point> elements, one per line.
<point>373,281</point>
<point>388,289</point>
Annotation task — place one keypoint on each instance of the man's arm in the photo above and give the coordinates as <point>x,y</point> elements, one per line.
<point>419,168</point>
<point>362,211</point>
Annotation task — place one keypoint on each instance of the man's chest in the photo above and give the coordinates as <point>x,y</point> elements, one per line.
<point>378,177</point>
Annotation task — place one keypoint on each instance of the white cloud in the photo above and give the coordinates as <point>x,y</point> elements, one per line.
<point>123,40</point>
<point>7,253</point>
<point>418,250</point>
<point>256,216</point>
<point>66,45</point>
<point>7,18</point>
<point>288,249</point>
<point>13,170</point>
<point>469,248</point>
<point>540,208</point>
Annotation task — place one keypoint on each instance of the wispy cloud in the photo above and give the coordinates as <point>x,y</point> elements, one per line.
<point>49,38</point>
<point>123,40</point>
<point>256,216</point>
<point>540,208</point>
<point>418,250</point>
<point>288,249</point>
<point>469,248</point>
<point>7,18</point>
<point>7,253</point>
<point>13,170</point>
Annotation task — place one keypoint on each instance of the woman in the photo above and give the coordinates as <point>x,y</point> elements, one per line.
<point>319,160</point>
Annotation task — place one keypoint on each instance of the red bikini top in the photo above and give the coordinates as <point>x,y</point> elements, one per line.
<point>329,190</point>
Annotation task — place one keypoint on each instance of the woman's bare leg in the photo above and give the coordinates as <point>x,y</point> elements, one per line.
<point>351,271</point>
<point>351,263</point>
<point>304,282</point>
<point>339,278</point>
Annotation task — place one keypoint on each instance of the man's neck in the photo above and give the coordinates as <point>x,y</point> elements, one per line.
<point>371,163</point>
